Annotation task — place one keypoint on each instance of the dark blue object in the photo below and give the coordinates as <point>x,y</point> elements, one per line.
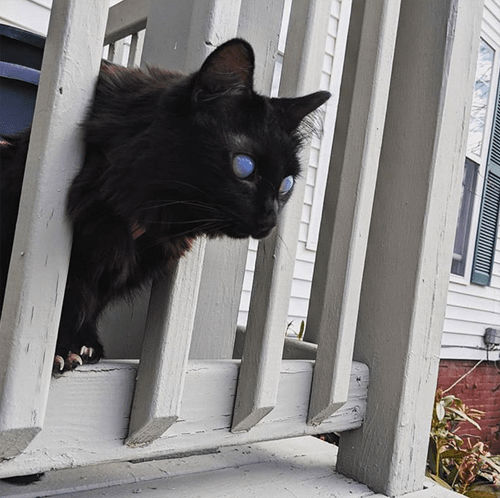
<point>21,54</point>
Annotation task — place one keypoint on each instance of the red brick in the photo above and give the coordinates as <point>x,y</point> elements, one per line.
<point>479,390</point>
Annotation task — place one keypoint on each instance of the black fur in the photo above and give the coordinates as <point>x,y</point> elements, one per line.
<point>158,173</point>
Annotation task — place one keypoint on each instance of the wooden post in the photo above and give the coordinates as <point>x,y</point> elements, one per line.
<point>224,262</point>
<point>348,202</point>
<point>42,245</point>
<point>260,364</point>
<point>409,250</point>
<point>179,35</point>
<point>162,370</point>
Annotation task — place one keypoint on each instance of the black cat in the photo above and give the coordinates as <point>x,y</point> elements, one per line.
<point>169,157</point>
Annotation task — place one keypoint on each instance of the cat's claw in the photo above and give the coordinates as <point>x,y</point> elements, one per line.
<point>73,360</point>
<point>70,363</point>
<point>88,352</point>
<point>58,363</point>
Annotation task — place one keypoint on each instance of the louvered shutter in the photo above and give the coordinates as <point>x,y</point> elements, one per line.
<point>484,253</point>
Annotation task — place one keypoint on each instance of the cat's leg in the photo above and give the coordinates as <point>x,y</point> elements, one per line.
<point>77,342</point>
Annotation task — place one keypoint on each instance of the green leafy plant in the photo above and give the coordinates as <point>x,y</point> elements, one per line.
<point>300,333</point>
<point>459,465</point>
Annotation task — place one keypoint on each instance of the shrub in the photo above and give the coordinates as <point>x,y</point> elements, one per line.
<point>462,466</point>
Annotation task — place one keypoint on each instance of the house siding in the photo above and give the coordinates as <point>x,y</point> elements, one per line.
<point>31,15</point>
<point>473,308</point>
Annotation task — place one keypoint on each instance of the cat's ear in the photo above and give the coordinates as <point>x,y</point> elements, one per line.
<point>229,67</point>
<point>293,111</point>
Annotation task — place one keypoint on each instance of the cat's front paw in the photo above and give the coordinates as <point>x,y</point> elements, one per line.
<point>70,361</point>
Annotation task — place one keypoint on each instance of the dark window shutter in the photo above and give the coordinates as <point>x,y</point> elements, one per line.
<point>484,253</point>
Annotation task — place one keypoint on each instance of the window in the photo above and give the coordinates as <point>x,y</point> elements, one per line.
<point>480,99</point>
<point>476,155</point>
<point>484,252</point>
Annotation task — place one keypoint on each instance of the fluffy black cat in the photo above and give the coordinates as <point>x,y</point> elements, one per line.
<point>169,157</point>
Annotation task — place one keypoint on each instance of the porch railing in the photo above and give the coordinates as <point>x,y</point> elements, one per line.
<point>166,405</point>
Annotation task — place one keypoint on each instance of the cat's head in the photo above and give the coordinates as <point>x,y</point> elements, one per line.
<point>250,142</point>
<point>197,154</point>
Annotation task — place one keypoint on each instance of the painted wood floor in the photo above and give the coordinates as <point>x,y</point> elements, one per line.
<point>301,467</point>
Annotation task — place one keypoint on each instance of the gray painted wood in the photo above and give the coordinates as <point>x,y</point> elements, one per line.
<point>259,374</point>
<point>136,46</point>
<point>160,379</point>
<point>42,244</point>
<point>92,427</point>
<point>181,34</point>
<point>411,241</point>
<point>348,203</point>
<point>126,18</point>
<point>299,467</point>
<point>224,262</point>
<point>178,35</point>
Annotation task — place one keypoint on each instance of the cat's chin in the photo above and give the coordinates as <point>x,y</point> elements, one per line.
<point>261,234</point>
<point>257,235</point>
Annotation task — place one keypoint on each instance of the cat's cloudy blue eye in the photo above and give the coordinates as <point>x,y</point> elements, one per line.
<point>243,166</point>
<point>286,185</point>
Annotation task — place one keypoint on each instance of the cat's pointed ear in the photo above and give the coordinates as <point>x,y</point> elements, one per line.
<point>229,67</point>
<point>293,111</point>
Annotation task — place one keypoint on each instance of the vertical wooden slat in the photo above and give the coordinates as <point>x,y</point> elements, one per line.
<point>260,365</point>
<point>178,35</point>
<point>406,276</point>
<point>136,46</point>
<point>329,124</point>
<point>125,18</point>
<point>349,195</point>
<point>40,256</point>
<point>224,263</point>
<point>111,52</point>
<point>160,380</point>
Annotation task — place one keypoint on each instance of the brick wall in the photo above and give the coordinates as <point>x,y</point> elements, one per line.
<point>480,390</point>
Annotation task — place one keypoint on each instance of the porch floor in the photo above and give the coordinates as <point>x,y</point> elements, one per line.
<point>300,467</point>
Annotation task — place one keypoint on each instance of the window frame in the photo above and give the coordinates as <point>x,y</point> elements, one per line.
<point>481,160</point>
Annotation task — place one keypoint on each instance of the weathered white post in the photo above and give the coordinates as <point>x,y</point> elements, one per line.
<point>345,224</point>
<point>179,35</point>
<point>42,245</point>
<point>224,262</point>
<point>261,362</point>
<point>410,244</point>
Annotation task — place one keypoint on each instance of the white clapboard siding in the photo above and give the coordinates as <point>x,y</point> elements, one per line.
<point>473,308</point>
<point>34,15</point>
<point>92,427</point>
<point>42,243</point>
<point>27,14</point>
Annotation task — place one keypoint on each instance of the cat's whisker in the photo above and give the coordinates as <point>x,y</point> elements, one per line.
<point>286,246</point>
<point>161,204</point>
<point>197,221</point>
